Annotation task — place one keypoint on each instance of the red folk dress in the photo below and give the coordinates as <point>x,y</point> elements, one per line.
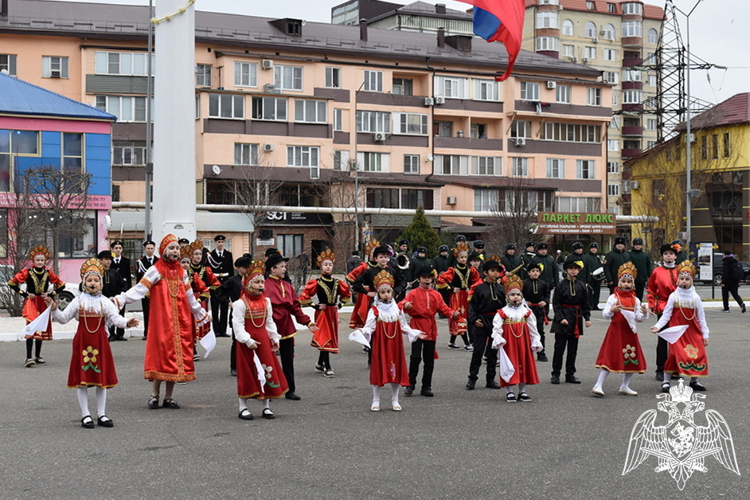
<point>252,322</point>
<point>173,316</point>
<point>362,304</point>
<point>329,292</point>
<point>462,278</point>
<point>91,363</point>
<point>201,294</point>
<point>621,348</point>
<point>688,355</point>
<point>37,283</point>
<point>517,326</point>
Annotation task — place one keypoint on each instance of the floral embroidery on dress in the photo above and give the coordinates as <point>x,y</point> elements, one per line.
<point>268,369</point>
<point>89,358</point>
<point>692,351</point>
<point>629,354</point>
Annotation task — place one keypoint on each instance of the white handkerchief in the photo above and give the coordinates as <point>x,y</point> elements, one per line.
<point>356,336</point>
<point>506,366</point>
<point>260,371</point>
<point>39,324</point>
<point>673,333</point>
<point>208,342</point>
<point>630,318</point>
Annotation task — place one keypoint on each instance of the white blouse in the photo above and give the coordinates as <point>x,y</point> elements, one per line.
<point>238,324</point>
<point>515,314</point>
<point>91,303</point>
<point>685,298</point>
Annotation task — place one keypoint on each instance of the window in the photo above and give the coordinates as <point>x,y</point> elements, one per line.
<point>555,168</point>
<point>650,123</point>
<point>714,146</point>
<point>125,108</point>
<point>615,101</point>
<point>651,80</point>
<point>373,121</point>
<point>520,129</point>
<point>631,75</point>
<point>589,53</point>
<point>650,58</point>
<point>613,167</point>
<point>269,108</point>
<point>485,90</point>
<point>338,120</point>
<point>613,145</point>
<point>567,28</point>
<point>594,96</point>
<point>245,74</point>
<point>442,129</point>
<point>650,144</point>
<point>245,154</point>
<point>562,93</point>
<point>590,5</point>
<point>632,97</point>
<point>634,9</point>
<point>478,130</point>
<point>302,156</point>
<point>568,50</point>
<point>8,63</point>
<point>129,153</point>
<point>411,123</point>
<point>520,167</point>
<point>452,87</point>
<point>704,148</point>
<point>287,77</point>
<point>570,132</point>
<point>585,169</point>
<point>726,144</point>
<point>451,164</point>
<point>411,164</point>
<point>374,162</point>
<point>415,198</point>
<point>226,106</point>
<point>54,67</point>
<point>373,81</point>
<point>486,200</point>
<point>631,28</point>
<point>546,19</point>
<point>610,54</point>
<point>121,63</point>
<point>72,157</point>
<point>486,165</point>
<point>610,77</point>
<point>577,204</point>
<point>333,78</point>
<point>341,160</point>
<point>548,43</point>
<point>608,32</point>
<point>613,189</point>
<point>653,36</point>
<point>308,110</point>
<point>382,198</point>
<point>530,91</point>
<point>403,86</point>
<point>203,75</point>
<point>590,30</point>
<point>290,245</point>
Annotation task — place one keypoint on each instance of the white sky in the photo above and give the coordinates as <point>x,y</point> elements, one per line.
<point>718,33</point>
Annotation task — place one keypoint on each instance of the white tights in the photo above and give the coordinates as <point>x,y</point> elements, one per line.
<point>101,401</point>
<point>243,403</point>
<point>626,377</point>
<point>395,388</point>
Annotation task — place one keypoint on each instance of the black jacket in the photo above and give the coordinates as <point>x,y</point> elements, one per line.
<point>642,263</point>
<point>612,263</point>
<point>123,269</point>
<point>731,271</point>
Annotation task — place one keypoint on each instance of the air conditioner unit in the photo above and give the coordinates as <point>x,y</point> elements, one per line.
<point>266,63</point>
<point>551,85</point>
<point>602,32</point>
<point>267,148</point>
<point>585,59</point>
<point>429,101</point>
<point>379,137</point>
<point>520,141</point>
<point>574,59</point>
<point>451,200</point>
<point>634,185</point>
<point>595,40</point>
<point>439,100</point>
<point>55,73</point>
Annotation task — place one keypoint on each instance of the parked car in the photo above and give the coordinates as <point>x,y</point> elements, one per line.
<point>66,296</point>
<point>718,270</point>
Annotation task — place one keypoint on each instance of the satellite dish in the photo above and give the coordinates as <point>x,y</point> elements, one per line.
<point>429,157</point>
<point>216,169</point>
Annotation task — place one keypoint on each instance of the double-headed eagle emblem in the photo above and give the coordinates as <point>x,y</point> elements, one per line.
<point>681,446</point>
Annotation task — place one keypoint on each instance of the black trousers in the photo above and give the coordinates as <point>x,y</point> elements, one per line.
<point>146,304</point>
<point>117,332</point>
<point>594,289</point>
<point>33,343</point>
<point>734,290</point>
<point>561,341</point>
<point>482,336</point>
<point>639,288</point>
<point>420,348</point>
<point>539,314</point>
<point>662,349</point>
<point>219,315</point>
<point>286,351</point>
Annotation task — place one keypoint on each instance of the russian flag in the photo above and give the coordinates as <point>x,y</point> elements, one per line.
<point>500,21</point>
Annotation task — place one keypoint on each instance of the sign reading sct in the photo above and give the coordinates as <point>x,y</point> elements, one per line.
<point>576,223</point>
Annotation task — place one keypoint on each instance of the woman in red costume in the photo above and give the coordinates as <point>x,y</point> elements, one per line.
<point>174,315</point>
<point>38,279</point>
<point>362,304</point>
<point>458,280</point>
<point>199,289</point>
<point>259,373</point>
<point>621,350</point>
<point>331,293</point>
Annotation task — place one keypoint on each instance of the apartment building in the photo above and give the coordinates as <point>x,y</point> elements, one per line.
<point>315,111</point>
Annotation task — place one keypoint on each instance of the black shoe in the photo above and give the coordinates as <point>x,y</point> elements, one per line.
<point>510,397</point>
<point>554,379</point>
<point>233,372</point>
<point>170,403</point>
<point>246,415</point>
<point>292,395</point>
<point>104,421</point>
<point>491,384</point>
<point>524,397</point>
<point>409,391</point>
<point>541,357</point>
<point>267,413</point>
<point>470,385</point>
<point>725,310</point>
<point>87,422</point>
<point>426,391</point>
<point>153,402</point>
<point>665,387</point>
<point>697,386</point>
<point>121,339</point>
<point>570,379</point>
<point>659,376</point>
<point>743,308</point>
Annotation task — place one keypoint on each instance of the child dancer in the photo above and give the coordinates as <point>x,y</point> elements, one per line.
<point>331,294</point>
<point>687,356</point>
<point>200,292</point>
<point>621,350</point>
<point>37,279</point>
<point>383,329</point>
<point>458,280</point>
<point>514,330</point>
<point>91,364</point>
<point>256,334</point>
<point>362,303</point>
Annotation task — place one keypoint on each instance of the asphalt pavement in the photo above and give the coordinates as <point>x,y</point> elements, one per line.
<point>564,444</point>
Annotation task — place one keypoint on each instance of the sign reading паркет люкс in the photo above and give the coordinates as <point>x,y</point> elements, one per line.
<point>576,223</point>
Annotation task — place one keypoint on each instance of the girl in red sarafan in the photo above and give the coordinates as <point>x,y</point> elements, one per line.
<point>514,330</point>
<point>384,327</point>
<point>458,280</point>
<point>621,350</point>
<point>91,364</point>
<point>687,356</point>
<point>362,304</point>
<point>199,289</point>
<point>257,343</point>
<point>38,279</point>
<point>331,293</point>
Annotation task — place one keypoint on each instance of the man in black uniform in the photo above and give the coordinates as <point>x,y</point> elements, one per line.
<point>229,292</point>
<point>512,263</point>
<point>612,262</point>
<point>479,249</point>
<point>488,297</point>
<point>382,255</point>
<point>148,260</point>
<point>550,269</point>
<point>571,305</point>
<point>642,263</point>
<point>112,283</point>
<point>121,264</point>
<point>440,264</point>
<point>593,262</point>
<point>528,254</point>
<point>536,294</point>
<point>220,261</point>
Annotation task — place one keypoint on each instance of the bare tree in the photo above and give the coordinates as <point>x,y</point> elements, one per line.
<point>519,198</point>
<point>256,190</point>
